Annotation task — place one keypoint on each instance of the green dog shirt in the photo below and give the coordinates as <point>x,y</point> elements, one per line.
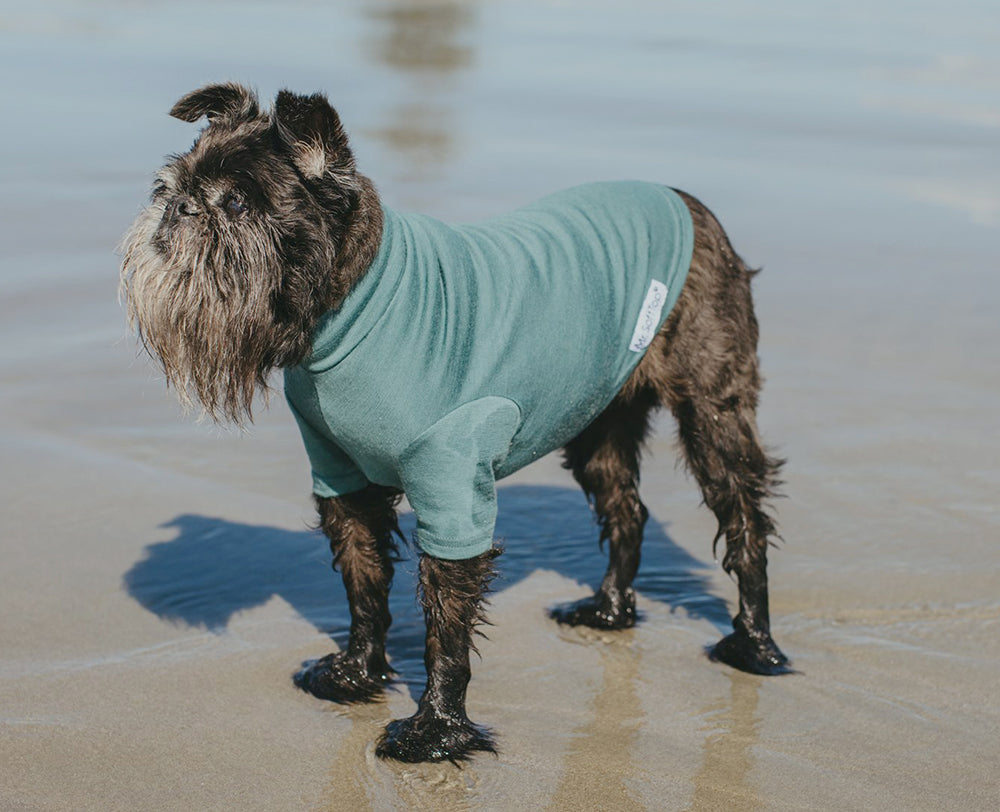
<point>466,352</point>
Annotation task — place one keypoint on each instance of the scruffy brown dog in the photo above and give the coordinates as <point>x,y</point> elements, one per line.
<point>261,231</point>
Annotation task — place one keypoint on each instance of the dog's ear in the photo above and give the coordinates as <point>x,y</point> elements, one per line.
<point>229,100</point>
<point>311,130</point>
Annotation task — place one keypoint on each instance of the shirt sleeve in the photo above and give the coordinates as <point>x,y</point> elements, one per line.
<point>449,480</point>
<point>333,472</point>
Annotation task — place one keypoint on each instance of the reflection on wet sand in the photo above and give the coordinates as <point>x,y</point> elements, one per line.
<point>733,729</point>
<point>364,783</point>
<point>436,787</point>
<point>427,42</point>
<point>600,762</point>
<point>349,787</point>
<point>421,36</point>
<point>612,732</point>
<point>415,133</point>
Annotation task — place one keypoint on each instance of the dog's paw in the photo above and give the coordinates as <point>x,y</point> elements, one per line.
<point>426,737</point>
<point>598,612</point>
<point>753,655</point>
<point>342,679</point>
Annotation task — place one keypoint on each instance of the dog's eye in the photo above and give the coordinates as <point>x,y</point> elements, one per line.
<point>234,205</point>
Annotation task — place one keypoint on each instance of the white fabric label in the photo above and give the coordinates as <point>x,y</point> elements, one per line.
<point>649,316</point>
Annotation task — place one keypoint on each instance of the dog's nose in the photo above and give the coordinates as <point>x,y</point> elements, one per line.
<point>186,206</point>
<point>181,206</point>
<point>178,210</point>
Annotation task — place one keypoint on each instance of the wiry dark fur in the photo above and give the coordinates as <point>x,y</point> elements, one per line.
<point>452,595</point>
<point>264,226</point>
<point>227,271</point>
<point>703,365</point>
<point>361,527</point>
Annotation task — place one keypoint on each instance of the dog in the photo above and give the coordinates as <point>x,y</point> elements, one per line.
<point>431,360</point>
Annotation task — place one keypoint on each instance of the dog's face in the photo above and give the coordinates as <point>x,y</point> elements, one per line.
<point>226,271</point>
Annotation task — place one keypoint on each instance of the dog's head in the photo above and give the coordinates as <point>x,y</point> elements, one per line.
<point>245,243</point>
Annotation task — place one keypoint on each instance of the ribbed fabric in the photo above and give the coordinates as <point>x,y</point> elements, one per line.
<point>467,352</point>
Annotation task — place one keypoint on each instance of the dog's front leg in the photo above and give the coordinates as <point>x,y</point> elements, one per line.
<point>360,527</point>
<point>452,596</point>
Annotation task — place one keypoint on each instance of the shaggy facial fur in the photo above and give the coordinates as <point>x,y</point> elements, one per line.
<point>264,226</point>
<point>245,245</point>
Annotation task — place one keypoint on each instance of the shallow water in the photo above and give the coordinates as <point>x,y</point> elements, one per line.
<point>160,585</point>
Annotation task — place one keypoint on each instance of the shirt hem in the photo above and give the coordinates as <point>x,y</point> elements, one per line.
<point>451,549</point>
<point>325,491</point>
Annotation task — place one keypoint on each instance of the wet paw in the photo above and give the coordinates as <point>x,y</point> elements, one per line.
<point>342,679</point>
<point>598,612</point>
<point>433,738</point>
<point>753,655</point>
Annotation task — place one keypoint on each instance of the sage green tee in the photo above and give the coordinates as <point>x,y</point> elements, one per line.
<point>467,352</point>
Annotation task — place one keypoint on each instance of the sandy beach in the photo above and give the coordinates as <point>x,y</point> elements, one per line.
<point>159,583</point>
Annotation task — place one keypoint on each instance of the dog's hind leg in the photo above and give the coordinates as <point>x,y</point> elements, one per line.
<point>452,595</point>
<point>604,459</point>
<point>360,527</point>
<point>735,475</point>
<point>707,369</point>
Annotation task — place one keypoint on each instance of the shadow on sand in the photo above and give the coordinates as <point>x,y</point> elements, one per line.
<point>214,569</point>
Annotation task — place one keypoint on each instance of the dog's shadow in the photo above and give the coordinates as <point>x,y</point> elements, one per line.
<point>214,569</point>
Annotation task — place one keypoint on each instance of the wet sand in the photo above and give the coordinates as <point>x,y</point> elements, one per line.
<point>159,583</point>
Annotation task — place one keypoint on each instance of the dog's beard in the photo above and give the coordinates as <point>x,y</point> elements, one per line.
<point>203,305</point>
